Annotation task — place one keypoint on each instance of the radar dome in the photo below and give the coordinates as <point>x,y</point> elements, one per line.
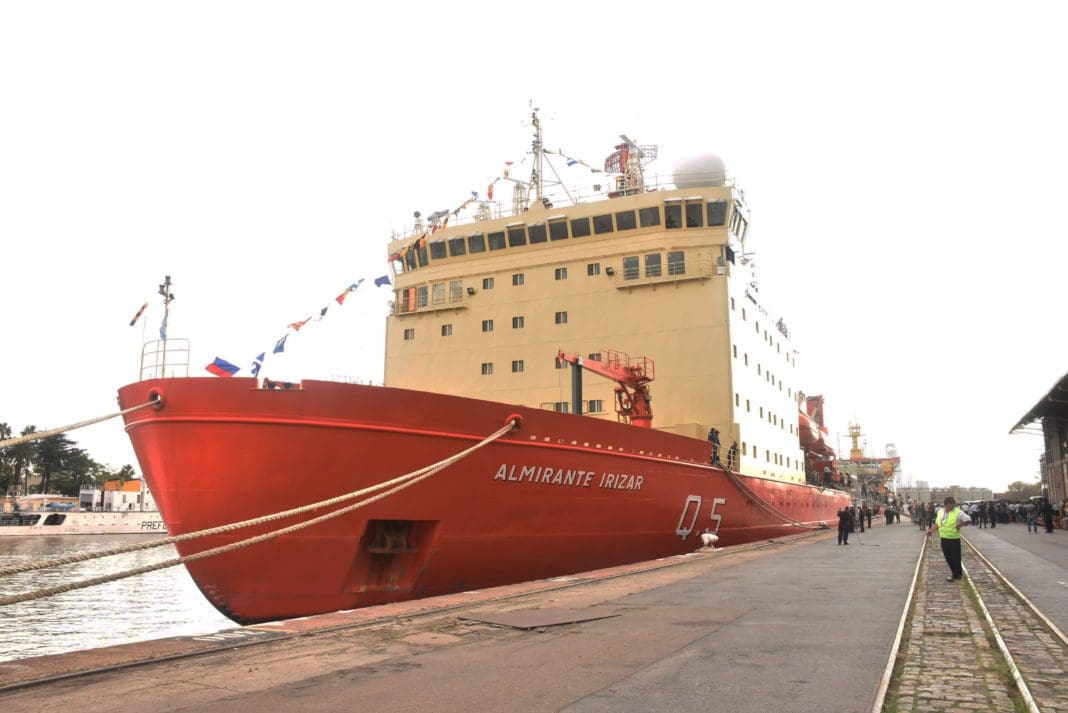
<point>702,170</point>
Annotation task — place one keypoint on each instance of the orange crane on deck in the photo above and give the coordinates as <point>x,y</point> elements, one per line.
<point>632,377</point>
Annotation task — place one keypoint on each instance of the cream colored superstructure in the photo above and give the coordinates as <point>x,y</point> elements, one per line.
<point>488,324</point>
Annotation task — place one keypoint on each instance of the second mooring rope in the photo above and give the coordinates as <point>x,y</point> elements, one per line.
<point>408,479</point>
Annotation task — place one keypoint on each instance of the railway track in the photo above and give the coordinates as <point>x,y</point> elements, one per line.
<point>975,645</point>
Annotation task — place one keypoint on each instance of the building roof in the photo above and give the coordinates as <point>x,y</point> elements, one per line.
<point>128,486</point>
<point>1053,405</point>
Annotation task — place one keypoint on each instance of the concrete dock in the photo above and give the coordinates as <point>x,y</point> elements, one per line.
<point>797,624</point>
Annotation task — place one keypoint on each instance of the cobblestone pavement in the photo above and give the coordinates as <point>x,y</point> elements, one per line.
<point>950,662</point>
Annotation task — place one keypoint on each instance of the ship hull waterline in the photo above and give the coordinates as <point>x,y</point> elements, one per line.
<point>562,494</point>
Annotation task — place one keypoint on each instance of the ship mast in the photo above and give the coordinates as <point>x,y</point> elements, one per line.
<point>536,146</point>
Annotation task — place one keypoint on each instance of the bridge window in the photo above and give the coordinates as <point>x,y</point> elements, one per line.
<point>457,246</point>
<point>420,296</point>
<point>694,216</point>
<point>625,220</point>
<point>517,237</point>
<point>602,224</point>
<point>672,216</point>
<point>558,230</point>
<point>537,233</point>
<point>437,249</point>
<point>630,268</point>
<point>580,227</point>
<point>648,217</point>
<point>496,241</point>
<point>476,243</point>
<point>717,213</point>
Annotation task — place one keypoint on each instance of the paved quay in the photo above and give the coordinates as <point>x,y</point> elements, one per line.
<point>795,625</point>
<point>950,660</point>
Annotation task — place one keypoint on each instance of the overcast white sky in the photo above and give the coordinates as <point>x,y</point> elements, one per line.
<point>904,164</point>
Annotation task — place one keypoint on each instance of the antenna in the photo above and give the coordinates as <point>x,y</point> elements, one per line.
<point>536,146</point>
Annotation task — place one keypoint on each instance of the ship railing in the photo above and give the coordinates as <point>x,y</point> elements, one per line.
<point>557,197</point>
<point>165,359</point>
<point>410,303</point>
<point>703,267</point>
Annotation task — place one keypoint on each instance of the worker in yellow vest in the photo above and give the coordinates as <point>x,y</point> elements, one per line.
<point>948,522</point>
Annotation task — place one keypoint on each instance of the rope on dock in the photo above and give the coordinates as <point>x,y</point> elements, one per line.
<point>399,483</point>
<point>38,435</point>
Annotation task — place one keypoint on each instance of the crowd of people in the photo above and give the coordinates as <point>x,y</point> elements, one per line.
<point>990,513</point>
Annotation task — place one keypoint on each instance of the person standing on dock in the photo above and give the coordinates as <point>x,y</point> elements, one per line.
<point>845,525</point>
<point>992,513</point>
<point>1032,517</point>
<point>948,522</point>
<point>1047,516</point>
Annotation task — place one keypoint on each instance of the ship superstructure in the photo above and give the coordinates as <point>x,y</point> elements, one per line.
<point>482,308</point>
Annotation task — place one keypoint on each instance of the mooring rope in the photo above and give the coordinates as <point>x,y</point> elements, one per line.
<point>38,435</point>
<point>760,502</point>
<point>409,479</point>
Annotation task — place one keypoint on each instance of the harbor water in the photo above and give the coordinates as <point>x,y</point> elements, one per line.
<point>150,606</point>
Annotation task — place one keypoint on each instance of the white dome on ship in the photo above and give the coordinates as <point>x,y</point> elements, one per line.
<point>701,170</point>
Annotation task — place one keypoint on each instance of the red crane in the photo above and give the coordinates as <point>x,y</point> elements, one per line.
<point>632,377</point>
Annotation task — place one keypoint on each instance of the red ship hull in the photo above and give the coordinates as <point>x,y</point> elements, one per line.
<point>562,494</point>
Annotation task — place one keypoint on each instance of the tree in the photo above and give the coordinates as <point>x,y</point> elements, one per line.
<point>22,457</point>
<point>53,456</point>
<point>1019,490</point>
<point>7,461</point>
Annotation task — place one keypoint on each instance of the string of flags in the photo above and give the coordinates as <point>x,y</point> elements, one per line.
<point>420,242</point>
<point>223,368</point>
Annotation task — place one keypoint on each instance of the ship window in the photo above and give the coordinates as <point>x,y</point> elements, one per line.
<point>409,334</point>
<point>437,250</point>
<point>760,371</point>
<point>558,230</point>
<point>652,265</point>
<point>673,216</point>
<point>732,304</point>
<point>456,291</point>
<point>596,356</point>
<point>602,224</point>
<point>743,314</point>
<point>517,279</point>
<point>748,408</point>
<point>593,268</point>
<point>487,325</point>
<point>54,519</point>
<point>560,363</point>
<point>676,262</point>
<point>409,259</point>
<point>420,296</point>
<point>630,268</point>
<point>746,355</point>
<point>735,348</point>
<point>517,322</point>
<point>537,233</point>
<point>561,317</point>
<point>437,293</point>
<point>648,217</point>
<point>580,227</point>
<point>457,246</point>
<point>561,273</point>
<point>517,366</point>
<point>476,243</point>
<point>694,216</point>
<point>595,406</point>
<point>761,412</point>
<point>717,213</point>
<point>737,400</point>
<point>422,255</point>
<point>625,220</point>
<point>754,450</point>
<point>560,406</point>
<point>496,241</point>
<point>487,283</point>
<point>487,368</point>
<point>730,254</point>
<point>446,330</point>
<point>517,237</point>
